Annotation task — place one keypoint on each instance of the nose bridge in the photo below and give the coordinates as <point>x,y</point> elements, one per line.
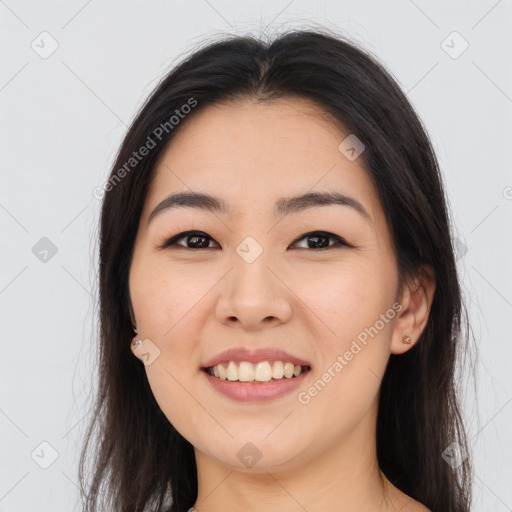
<point>251,274</point>
<point>252,293</point>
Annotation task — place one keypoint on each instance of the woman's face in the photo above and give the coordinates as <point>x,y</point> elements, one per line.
<point>254,280</point>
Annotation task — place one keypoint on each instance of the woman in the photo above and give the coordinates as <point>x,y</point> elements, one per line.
<point>275,232</point>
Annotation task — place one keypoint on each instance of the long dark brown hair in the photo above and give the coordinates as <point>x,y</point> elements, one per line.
<point>139,461</point>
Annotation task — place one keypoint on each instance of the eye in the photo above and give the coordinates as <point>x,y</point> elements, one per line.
<point>195,238</point>
<point>320,239</point>
<point>199,240</point>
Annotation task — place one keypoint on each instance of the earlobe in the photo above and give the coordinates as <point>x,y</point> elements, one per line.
<point>404,344</point>
<point>417,301</point>
<point>136,341</point>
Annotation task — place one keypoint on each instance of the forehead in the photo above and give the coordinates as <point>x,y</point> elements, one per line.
<point>254,152</point>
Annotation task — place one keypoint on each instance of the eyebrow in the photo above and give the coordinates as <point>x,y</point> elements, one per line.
<point>283,206</point>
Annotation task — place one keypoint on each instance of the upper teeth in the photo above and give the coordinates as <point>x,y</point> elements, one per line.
<point>262,372</point>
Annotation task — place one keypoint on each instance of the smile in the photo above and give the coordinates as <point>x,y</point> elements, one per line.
<point>245,381</point>
<point>264,371</point>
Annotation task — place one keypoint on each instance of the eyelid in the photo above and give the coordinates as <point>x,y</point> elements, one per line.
<point>341,240</point>
<point>168,242</point>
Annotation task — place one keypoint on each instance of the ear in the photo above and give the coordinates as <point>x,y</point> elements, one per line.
<point>416,301</point>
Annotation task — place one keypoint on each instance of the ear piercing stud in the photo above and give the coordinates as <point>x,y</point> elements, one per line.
<point>136,343</point>
<point>407,339</point>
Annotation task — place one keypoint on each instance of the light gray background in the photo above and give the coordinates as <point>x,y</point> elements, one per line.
<point>63,117</point>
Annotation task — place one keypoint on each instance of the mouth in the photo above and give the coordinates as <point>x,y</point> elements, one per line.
<point>256,373</point>
<point>255,383</point>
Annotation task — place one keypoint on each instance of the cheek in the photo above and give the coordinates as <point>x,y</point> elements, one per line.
<point>353,320</point>
<point>353,337</point>
<point>170,313</point>
<point>349,298</point>
<point>162,296</point>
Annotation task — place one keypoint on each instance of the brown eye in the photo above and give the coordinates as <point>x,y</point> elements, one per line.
<point>320,240</point>
<point>193,240</point>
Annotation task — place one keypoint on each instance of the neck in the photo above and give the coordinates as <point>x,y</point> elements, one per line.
<point>344,477</point>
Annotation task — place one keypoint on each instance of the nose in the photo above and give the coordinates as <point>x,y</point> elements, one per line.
<point>253,296</point>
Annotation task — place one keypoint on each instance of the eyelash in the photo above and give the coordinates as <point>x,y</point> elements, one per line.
<point>172,241</point>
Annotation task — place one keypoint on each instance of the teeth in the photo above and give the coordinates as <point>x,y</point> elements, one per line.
<point>232,372</point>
<point>259,372</point>
<point>288,370</point>
<point>245,372</point>
<point>263,371</point>
<point>278,370</point>
<point>223,373</point>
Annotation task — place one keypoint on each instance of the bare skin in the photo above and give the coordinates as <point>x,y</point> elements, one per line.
<point>312,302</point>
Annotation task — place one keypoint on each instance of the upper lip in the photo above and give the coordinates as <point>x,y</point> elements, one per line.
<point>254,356</point>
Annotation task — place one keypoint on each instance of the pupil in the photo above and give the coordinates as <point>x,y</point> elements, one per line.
<point>321,237</point>
<point>196,244</point>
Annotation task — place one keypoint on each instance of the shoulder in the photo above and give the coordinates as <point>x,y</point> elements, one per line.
<point>405,503</point>
<point>397,500</point>
<point>415,506</point>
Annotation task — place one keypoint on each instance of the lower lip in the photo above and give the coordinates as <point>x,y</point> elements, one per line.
<point>247,392</point>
